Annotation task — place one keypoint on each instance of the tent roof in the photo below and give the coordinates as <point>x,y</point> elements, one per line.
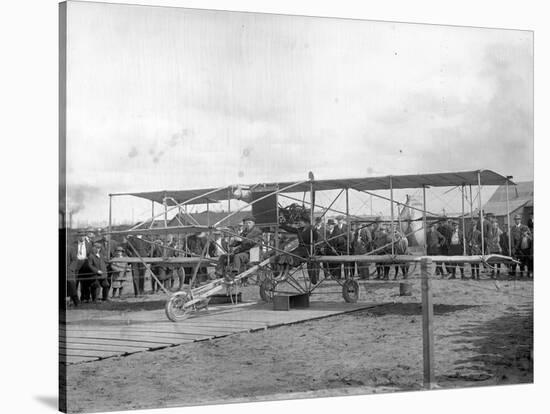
<point>519,196</point>
<point>500,208</point>
<point>449,179</point>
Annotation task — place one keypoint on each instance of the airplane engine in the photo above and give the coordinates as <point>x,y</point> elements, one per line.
<point>243,194</point>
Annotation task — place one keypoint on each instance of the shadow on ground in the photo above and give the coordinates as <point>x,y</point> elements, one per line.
<point>407,309</point>
<point>49,401</point>
<point>502,349</point>
<point>127,306</point>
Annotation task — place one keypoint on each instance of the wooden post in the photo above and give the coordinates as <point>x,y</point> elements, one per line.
<point>480,213</point>
<point>312,219</point>
<point>277,223</point>
<point>392,230</point>
<point>508,216</point>
<point>427,325</point>
<point>347,220</point>
<point>471,205</point>
<point>110,226</point>
<point>463,224</point>
<point>424,221</point>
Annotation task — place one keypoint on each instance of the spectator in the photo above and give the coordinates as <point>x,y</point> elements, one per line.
<point>456,248</point>
<point>333,248</point>
<point>98,266</point>
<point>382,246</point>
<point>446,229</point>
<point>137,247</point>
<point>524,253</point>
<point>320,247</point>
<point>341,242</point>
<point>90,236</point>
<point>474,244</point>
<point>304,232</point>
<point>434,242</point>
<point>361,243</point>
<point>401,248</point>
<point>493,240</point>
<point>85,277</point>
<point>517,231</point>
<point>77,267</point>
<point>118,272</point>
<point>158,269</point>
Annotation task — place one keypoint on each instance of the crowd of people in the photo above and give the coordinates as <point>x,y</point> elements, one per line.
<point>487,237</point>
<point>98,267</point>
<point>371,238</point>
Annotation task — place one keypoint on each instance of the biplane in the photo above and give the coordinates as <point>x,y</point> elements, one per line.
<point>264,201</point>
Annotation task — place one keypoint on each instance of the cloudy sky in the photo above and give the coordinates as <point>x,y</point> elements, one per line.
<point>166,98</point>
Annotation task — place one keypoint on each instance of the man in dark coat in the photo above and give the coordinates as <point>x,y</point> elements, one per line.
<point>382,245</point>
<point>98,267</point>
<point>434,242</point>
<point>516,232</point>
<point>77,265</point>
<point>304,231</point>
<point>137,247</point>
<point>251,237</point>
<point>78,260</point>
<point>446,229</point>
<point>321,246</point>
<point>361,243</point>
<point>456,248</point>
<point>159,269</point>
<point>333,248</point>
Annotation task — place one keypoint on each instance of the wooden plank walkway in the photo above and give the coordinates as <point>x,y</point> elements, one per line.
<point>127,333</point>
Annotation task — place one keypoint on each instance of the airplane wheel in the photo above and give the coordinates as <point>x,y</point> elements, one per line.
<point>176,309</point>
<point>267,290</point>
<point>350,291</point>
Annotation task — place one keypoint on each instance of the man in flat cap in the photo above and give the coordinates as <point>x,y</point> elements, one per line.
<point>98,268</point>
<point>517,232</point>
<point>340,233</point>
<point>332,247</point>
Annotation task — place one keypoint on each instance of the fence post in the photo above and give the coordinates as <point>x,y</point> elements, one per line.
<point>427,325</point>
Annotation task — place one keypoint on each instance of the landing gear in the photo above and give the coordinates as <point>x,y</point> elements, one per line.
<point>350,291</point>
<point>267,290</point>
<point>179,308</point>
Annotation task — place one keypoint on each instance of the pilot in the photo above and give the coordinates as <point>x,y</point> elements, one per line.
<point>251,237</point>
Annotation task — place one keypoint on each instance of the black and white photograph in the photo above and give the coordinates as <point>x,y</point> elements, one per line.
<point>262,207</point>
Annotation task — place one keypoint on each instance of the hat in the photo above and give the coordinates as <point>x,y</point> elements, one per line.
<point>340,217</point>
<point>517,216</point>
<point>330,221</point>
<point>119,249</point>
<point>249,218</point>
<point>489,215</point>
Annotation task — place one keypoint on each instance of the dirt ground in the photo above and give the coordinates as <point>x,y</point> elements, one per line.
<point>483,334</point>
